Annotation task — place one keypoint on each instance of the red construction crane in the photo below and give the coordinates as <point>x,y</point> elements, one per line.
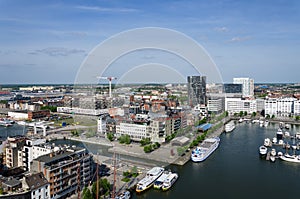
<point>109,80</point>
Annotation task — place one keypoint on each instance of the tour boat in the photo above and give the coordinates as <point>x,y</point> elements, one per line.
<point>149,179</point>
<point>229,126</point>
<point>159,182</point>
<point>169,181</point>
<point>207,147</point>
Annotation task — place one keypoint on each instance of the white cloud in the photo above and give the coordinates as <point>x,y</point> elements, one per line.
<point>57,51</point>
<point>105,9</point>
<point>239,39</point>
<point>222,29</point>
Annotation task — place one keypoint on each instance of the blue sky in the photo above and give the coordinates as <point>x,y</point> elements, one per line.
<point>46,41</point>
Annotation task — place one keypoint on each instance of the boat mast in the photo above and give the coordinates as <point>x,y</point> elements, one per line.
<point>97,180</point>
<point>115,172</point>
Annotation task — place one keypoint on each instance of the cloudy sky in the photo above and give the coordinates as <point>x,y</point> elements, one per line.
<point>47,41</point>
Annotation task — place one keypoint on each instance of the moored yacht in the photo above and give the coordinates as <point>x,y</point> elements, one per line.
<point>124,195</point>
<point>290,158</point>
<point>263,150</point>
<point>267,142</point>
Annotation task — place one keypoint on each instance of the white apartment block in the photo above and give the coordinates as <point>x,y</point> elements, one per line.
<point>297,107</point>
<point>235,105</point>
<point>248,86</point>
<point>283,106</point>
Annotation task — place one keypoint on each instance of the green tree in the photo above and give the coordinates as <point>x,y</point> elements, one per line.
<point>253,114</point>
<point>245,113</point>
<point>124,139</point>
<point>145,141</point>
<point>110,136</point>
<point>226,113</point>
<point>267,116</point>
<point>241,113</point>
<point>51,108</point>
<point>87,194</point>
<point>148,148</point>
<point>297,117</point>
<point>273,116</point>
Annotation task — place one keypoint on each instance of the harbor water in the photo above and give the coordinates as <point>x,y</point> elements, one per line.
<point>234,170</point>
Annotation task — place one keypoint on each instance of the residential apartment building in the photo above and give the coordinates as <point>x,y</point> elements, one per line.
<point>63,169</point>
<point>282,106</point>
<point>235,105</point>
<point>38,185</point>
<point>13,151</point>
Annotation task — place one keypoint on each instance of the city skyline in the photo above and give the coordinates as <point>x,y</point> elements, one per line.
<point>46,42</point>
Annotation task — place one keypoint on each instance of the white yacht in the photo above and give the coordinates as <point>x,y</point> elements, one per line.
<point>263,150</point>
<point>274,140</point>
<point>159,182</point>
<point>229,126</point>
<point>149,179</point>
<point>290,158</point>
<point>267,142</point>
<point>266,123</point>
<point>169,181</point>
<point>207,147</point>
<point>273,152</point>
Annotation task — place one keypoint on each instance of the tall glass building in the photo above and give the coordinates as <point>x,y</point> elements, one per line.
<point>197,90</point>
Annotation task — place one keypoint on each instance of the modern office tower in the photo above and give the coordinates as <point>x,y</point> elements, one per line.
<point>196,90</point>
<point>248,85</point>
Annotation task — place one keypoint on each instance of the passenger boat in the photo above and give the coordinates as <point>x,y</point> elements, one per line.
<point>169,181</point>
<point>149,179</point>
<point>207,147</point>
<point>159,182</point>
<point>263,150</point>
<point>124,195</point>
<point>229,126</point>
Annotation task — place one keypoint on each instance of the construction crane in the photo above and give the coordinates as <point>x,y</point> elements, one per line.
<point>109,80</point>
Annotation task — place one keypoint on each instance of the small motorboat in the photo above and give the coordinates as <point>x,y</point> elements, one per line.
<point>263,150</point>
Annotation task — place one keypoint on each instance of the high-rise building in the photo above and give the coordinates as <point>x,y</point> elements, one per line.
<point>248,86</point>
<point>196,90</point>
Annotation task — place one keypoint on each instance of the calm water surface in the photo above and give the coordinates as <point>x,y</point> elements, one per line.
<point>235,170</point>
